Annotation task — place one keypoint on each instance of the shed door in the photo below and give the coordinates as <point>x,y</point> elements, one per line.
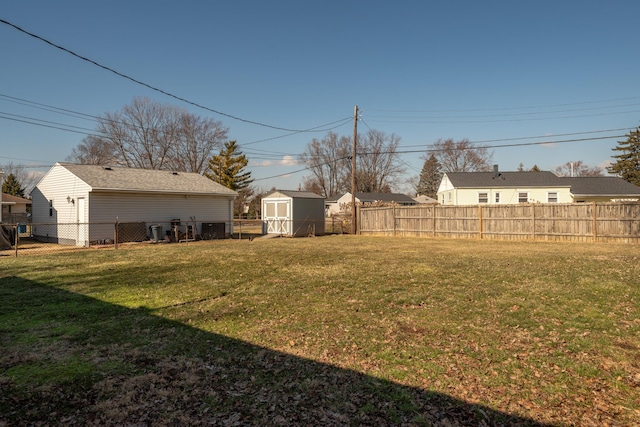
<point>277,215</point>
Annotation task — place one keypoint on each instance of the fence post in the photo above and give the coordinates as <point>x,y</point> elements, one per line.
<point>595,221</point>
<point>434,219</point>
<point>17,239</point>
<point>115,235</point>
<point>393,218</point>
<point>533,221</point>
<point>480,220</point>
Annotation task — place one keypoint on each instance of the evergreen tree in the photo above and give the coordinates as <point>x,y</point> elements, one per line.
<point>227,167</point>
<point>430,177</point>
<point>627,164</point>
<point>12,186</point>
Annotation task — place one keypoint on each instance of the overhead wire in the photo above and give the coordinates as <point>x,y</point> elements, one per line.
<point>147,85</point>
<point>509,108</point>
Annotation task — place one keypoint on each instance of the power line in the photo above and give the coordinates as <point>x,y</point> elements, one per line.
<point>510,108</point>
<point>45,125</point>
<point>139,82</point>
<point>522,144</point>
<point>42,121</point>
<point>511,114</point>
<point>429,121</point>
<point>535,137</point>
<point>99,120</point>
<point>341,122</point>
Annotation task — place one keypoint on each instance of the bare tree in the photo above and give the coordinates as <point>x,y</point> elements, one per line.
<point>93,151</point>
<point>462,156</point>
<point>26,179</point>
<point>329,162</point>
<point>378,166</point>
<point>149,135</point>
<point>198,139</point>
<point>578,169</point>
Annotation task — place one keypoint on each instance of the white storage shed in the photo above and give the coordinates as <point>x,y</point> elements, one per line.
<point>293,213</point>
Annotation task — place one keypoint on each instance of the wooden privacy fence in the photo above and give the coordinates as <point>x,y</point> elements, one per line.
<point>616,222</point>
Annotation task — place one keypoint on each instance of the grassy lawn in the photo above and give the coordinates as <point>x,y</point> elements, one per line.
<point>336,330</point>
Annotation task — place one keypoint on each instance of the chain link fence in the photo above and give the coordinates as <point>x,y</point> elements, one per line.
<point>36,238</point>
<point>26,238</point>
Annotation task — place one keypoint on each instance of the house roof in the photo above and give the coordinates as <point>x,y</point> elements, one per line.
<point>601,186</point>
<point>112,178</point>
<point>422,199</point>
<point>505,179</point>
<point>579,186</point>
<point>297,194</point>
<point>8,199</point>
<point>384,197</point>
<point>375,197</point>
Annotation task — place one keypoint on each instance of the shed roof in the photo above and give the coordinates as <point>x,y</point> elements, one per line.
<point>297,194</point>
<point>121,179</point>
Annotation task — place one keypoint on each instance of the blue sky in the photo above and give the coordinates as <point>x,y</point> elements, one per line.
<point>495,72</point>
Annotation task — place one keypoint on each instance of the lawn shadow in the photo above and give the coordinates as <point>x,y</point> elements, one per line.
<point>70,359</point>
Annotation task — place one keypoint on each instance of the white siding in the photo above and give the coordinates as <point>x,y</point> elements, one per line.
<point>469,196</point>
<point>56,186</point>
<point>103,208</point>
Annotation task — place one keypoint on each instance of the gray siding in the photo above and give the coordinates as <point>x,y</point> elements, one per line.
<point>106,208</point>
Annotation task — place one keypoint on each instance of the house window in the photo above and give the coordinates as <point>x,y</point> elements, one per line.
<point>523,197</point>
<point>483,197</point>
<point>497,197</point>
<point>552,197</point>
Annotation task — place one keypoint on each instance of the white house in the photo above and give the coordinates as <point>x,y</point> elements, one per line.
<point>470,188</point>
<point>339,203</point>
<point>293,213</point>
<point>14,209</point>
<point>79,204</point>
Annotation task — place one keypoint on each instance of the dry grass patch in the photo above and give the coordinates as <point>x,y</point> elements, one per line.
<point>331,330</point>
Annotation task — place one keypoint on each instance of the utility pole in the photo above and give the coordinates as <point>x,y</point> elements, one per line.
<point>353,171</point>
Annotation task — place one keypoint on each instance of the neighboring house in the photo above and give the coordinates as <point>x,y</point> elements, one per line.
<point>14,209</point>
<point>84,201</point>
<point>425,200</point>
<point>338,204</point>
<point>602,189</point>
<point>293,213</point>
<point>470,188</point>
